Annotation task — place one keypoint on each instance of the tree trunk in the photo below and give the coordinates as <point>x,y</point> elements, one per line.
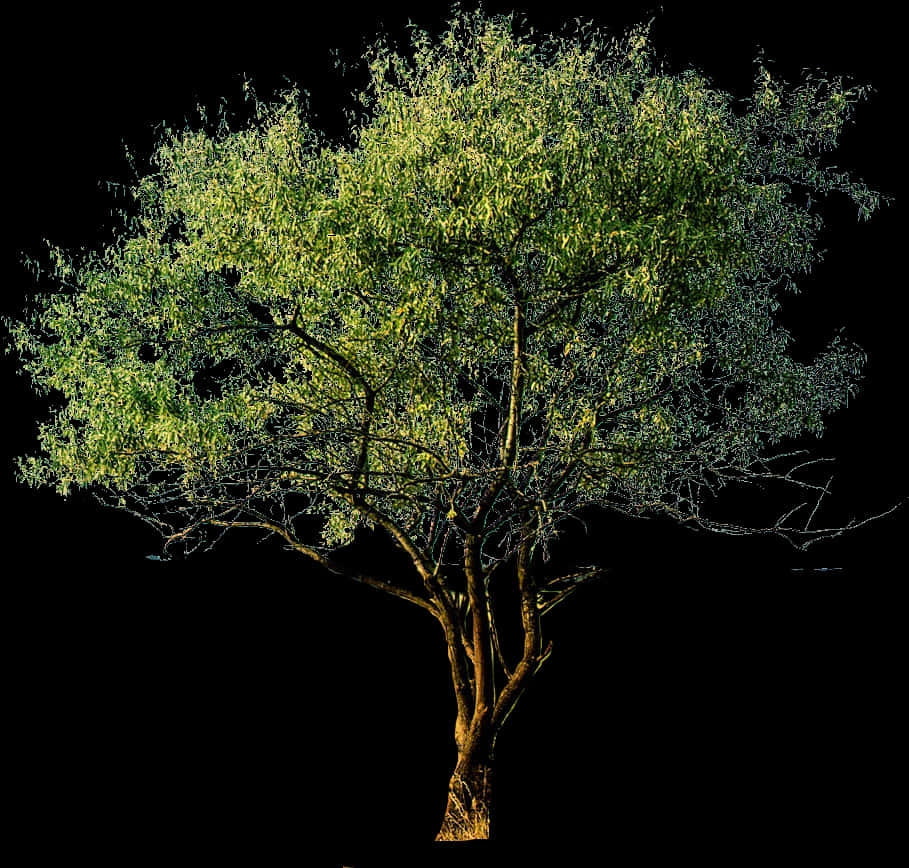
<point>467,814</point>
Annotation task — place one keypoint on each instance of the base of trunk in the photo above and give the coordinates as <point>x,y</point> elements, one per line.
<point>467,814</point>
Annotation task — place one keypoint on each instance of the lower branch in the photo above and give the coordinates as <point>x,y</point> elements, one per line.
<point>330,565</point>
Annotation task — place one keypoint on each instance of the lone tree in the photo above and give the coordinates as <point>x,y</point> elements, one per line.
<point>542,280</point>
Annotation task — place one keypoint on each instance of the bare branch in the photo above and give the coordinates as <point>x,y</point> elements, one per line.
<point>333,566</point>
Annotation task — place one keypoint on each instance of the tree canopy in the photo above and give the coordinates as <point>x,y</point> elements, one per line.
<point>543,278</point>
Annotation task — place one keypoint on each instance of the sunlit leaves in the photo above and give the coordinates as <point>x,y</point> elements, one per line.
<point>636,217</point>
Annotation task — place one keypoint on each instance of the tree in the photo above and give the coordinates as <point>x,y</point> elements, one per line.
<point>542,280</point>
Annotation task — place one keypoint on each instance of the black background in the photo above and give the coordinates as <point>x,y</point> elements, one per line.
<point>704,700</point>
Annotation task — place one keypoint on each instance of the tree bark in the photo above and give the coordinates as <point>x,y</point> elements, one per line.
<point>469,808</point>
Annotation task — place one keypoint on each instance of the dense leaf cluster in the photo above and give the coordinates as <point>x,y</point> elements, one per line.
<point>560,230</point>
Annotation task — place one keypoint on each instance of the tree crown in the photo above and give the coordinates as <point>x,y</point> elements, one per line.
<point>547,268</point>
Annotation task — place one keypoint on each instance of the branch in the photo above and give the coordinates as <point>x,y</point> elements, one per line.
<point>518,376</point>
<point>479,609</point>
<point>444,607</point>
<point>740,530</point>
<point>331,565</point>
<point>348,368</point>
<point>531,658</point>
<point>563,587</point>
<point>324,349</point>
<point>589,279</point>
<point>495,638</point>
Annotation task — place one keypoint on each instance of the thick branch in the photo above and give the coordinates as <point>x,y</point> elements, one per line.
<point>518,377</point>
<point>482,652</point>
<point>444,607</point>
<point>532,657</point>
<point>495,638</point>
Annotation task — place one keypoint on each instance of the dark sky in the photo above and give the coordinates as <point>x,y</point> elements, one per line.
<point>223,691</point>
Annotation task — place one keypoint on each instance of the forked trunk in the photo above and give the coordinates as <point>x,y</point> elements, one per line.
<point>467,814</point>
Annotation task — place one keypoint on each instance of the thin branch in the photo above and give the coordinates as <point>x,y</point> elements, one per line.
<point>495,639</point>
<point>813,511</point>
<point>331,565</point>
<point>564,586</point>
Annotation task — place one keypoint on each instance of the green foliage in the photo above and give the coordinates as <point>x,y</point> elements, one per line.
<point>284,318</point>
